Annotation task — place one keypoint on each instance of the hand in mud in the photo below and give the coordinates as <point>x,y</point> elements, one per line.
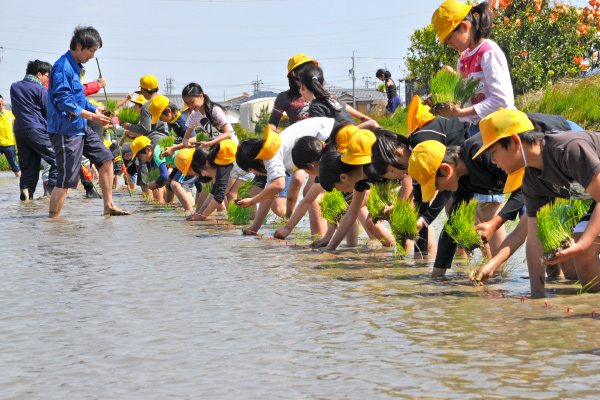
<point>127,156</point>
<point>248,231</point>
<point>282,232</point>
<point>485,230</point>
<point>196,217</point>
<point>320,243</point>
<point>480,275</point>
<point>566,254</point>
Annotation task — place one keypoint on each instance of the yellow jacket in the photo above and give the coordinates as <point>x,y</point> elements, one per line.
<point>7,120</point>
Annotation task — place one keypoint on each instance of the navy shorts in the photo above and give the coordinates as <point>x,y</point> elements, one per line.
<point>68,151</point>
<point>393,104</point>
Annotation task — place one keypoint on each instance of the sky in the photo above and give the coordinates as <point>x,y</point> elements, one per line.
<point>224,45</point>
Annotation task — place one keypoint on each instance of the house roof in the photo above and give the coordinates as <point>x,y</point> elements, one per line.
<point>361,94</point>
<point>261,95</point>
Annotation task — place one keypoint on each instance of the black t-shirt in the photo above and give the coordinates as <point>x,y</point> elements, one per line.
<point>392,91</point>
<point>571,160</point>
<point>320,108</point>
<point>296,108</point>
<point>448,131</point>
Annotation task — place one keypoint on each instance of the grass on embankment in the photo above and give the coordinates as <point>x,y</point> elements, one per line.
<point>577,100</point>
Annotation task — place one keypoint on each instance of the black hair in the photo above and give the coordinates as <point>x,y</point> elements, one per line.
<point>87,36</point>
<point>386,74</point>
<point>195,90</point>
<point>143,150</point>
<point>294,80</point>
<point>307,150</point>
<point>35,66</point>
<point>151,91</point>
<point>172,106</point>
<point>1,96</point>
<point>247,151</point>
<point>451,157</point>
<point>330,169</point>
<point>384,152</point>
<point>481,26</point>
<point>529,137</point>
<point>201,156</point>
<point>204,179</point>
<point>312,78</point>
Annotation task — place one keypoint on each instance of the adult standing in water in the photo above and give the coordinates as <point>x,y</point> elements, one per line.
<point>68,112</point>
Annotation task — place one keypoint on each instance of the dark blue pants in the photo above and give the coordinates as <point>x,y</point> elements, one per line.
<point>11,156</point>
<point>33,145</point>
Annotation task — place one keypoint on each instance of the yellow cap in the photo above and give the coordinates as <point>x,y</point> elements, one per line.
<point>359,148</point>
<point>139,143</point>
<point>183,160</point>
<point>157,106</point>
<point>514,180</point>
<point>298,59</point>
<point>148,82</point>
<point>343,137</point>
<point>96,103</point>
<point>448,16</point>
<point>418,115</point>
<point>423,164</point>
<point>500,124</point>
<point>141,100</point>
<point>226,154</point>
<point>271,144</point>
<point>185,107</point>
<point>108,143</point>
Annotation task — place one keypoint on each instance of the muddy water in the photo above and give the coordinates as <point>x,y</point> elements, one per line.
<point>151,307</point>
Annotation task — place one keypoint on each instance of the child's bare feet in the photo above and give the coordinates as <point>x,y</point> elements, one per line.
<point>115,211</point>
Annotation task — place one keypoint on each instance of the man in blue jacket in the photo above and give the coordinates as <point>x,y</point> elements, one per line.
<point>68,112</point>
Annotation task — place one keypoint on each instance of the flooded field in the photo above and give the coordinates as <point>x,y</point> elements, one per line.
<point>152,307</point>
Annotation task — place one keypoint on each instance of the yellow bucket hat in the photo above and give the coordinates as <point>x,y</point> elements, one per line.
<point>157,106</point>
<point>183,160</point>
<point>226,154</point>
<point>141,100</point>
<point>271,144</point>
<point>500,124</point>
<point>342,138</point>
<point>514,181</point>
<point>423,164</point>
<point>359,148</point>
<point>298,59</point>
<point>418,115</point>
<point>448,16</point>
<point>139,143</point>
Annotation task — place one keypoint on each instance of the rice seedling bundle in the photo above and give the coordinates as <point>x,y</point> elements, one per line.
<point>245,188</point>
<point>129,115</point>
<point>152,175</point>
<point>333,207</point>
<point>555,224</point>
<point>202,137</point>
<point>381,196</point>
<point>166,142</point>
<point>460,227</point>
<point>403,220</point>
<point>449,91</point>
<point>110,105</point>
<point>207,187</point>
<point>237,215</point>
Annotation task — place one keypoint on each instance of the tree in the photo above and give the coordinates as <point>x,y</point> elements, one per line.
<point>263,119</point>
<point>542,43</point>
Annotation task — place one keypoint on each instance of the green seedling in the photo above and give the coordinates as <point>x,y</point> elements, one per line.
<point>202,137</point>
<point>207,187</point>
<point>166,142</point>
<point>152,175</point>
<point>403,220</point>
<point>111,105</point>
<point>129,115</point>
<point>460,227</point>
<point>237,215</point>
<point>333,207</point>
<point>245,188</point>
<point>449,91</point>
<point>382,195</point>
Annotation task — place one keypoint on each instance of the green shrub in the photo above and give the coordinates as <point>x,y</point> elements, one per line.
<point>202,137</point>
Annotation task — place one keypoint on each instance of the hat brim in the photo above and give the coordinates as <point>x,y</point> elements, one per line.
<point>350,159</point>
<point>155,118</point>
<point>138,91</point>
<point>271,145</point>
<point>485,147</point>
<point>428,190</point>
<point>514,180</point>
<point>446,32</point>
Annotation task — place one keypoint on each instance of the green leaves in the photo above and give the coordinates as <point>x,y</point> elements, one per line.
<point>166,142</point>
<point>557,220</point>
<point>460,226</point>
<point>403,220</point>
<point>333,207</point>
<point>129,115</point>
<point>381,196</point>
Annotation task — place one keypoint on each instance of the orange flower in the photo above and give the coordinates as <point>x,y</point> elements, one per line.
<point>525,54</point>
<point>586,11</point>
<point>592,3</point>
<point>537,8</point>
<point>577,60</point>
<point>590,18</point>
<point>506,21</point>
<point>578,12</point>
<point>554,16</point>
<point>594,55</point>
<point>518,22</point>
<point>503,3</point>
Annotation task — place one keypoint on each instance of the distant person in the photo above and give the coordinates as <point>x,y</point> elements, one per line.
<point>392,91</point>
<point>29,100</point>
<point>7,138</point>
<point>68,112</point>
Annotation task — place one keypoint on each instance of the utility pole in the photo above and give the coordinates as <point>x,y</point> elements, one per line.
<point>169,85</point>
<point>367,80</point>
<point>353,82</point>
<point>256,85</point>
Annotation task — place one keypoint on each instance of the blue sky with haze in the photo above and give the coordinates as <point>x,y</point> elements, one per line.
<point>221,44</point>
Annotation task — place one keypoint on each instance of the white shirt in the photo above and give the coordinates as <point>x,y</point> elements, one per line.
<point>282,163</point>
<point>199,120</point>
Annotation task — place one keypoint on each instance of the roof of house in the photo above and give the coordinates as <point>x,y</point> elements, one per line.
<point>261,95</point>
<point>361,94</point>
